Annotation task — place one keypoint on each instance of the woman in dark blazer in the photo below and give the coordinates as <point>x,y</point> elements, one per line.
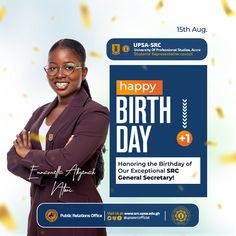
<point>65,134</point>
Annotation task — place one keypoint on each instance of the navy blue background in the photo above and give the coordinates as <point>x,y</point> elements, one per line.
<point>163,220</point>
<point>179,82</point>
<point>166,43</point>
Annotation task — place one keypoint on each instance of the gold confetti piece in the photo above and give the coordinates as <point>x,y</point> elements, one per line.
<point>159,5</point>
<point>6,219</point>
<point>3,11</point>
<point>181,188</point>
<point>95,54</point>
<point>84,10</point>
<point>114,18</point>
<point>213,35</point>
<point>10,115</point>
<point>70,139</point>
<point>36,49</point>
<point>219,206</point>
<point>213,61</point>
<point>194,175</point>
<point>220,112</point>
<point>24,95</point>
<point>229,158</point>
<point>37,137</point>
<point>211,143</point>
<point>227,9</point>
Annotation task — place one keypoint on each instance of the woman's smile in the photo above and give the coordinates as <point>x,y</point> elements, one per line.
<point>62,85</point>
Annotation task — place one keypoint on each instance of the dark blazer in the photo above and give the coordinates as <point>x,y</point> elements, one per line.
<point>88,122</point>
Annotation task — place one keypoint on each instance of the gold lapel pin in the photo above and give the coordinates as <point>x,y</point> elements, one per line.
<point>50,137</point>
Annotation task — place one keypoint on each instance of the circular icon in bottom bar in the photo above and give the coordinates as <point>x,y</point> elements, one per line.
<point>51,215</point>
<point>180,215</point>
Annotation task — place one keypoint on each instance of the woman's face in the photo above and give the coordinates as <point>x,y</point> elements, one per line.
<point>67,80</point>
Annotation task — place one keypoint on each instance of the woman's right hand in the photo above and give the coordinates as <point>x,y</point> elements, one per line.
<point>23,145</point>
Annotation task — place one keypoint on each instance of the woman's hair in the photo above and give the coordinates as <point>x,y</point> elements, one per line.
<point>79,50</point>
<point>74,46</point>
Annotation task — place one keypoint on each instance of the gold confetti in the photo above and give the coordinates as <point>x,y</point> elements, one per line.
<point>213,61</point>
<point>229,158</point>
<point>37,137</point>
<point>213,35</point>
<point>181,188</point>
<point>159,5</point>
<point>84,10</point>
<point>194,175</point>
<point>114,18</point>
<point>10,115</point>
<point>211,143</point>
<point>4,69</point>
<point>220,112</point>
<point>24,95</point>
<point>70,139</point>
<point>219,206</point>
<point>36,49</point>
<point>95,54</point>
<point>3,11</point>
<point>227,9</point>
<point>6,219</point>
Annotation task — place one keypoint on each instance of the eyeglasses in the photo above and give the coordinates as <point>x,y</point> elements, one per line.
<point>67,69</point>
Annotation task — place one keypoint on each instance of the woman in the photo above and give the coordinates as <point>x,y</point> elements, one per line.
<point>66,134</point>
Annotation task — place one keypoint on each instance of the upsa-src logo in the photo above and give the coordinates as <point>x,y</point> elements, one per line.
<point>116,48</point>
<point>51,215</point>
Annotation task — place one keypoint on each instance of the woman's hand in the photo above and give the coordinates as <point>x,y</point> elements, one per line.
<point>23,145</point>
